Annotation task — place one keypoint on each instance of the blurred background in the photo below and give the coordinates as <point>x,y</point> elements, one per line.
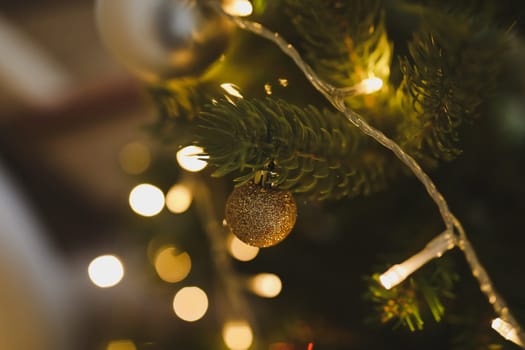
<point>73,144</point>
<point>66,112</point>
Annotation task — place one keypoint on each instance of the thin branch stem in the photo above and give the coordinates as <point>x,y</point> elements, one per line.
<point>215,232</point>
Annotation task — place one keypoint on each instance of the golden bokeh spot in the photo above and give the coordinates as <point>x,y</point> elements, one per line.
<point>266,285</point>
<point>240,250</point>
<point>172,266</point>
<point>178,199</point>
<point>134,158</point>
<point>121,345</point>
<point>237,335</point>
<point>190,304</point>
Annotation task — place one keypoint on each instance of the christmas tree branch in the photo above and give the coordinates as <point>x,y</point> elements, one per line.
<point>313,152</point>
<point>451,67</point>
<point>336,97</point>
<point>424,113</point>
<point>350,41</point>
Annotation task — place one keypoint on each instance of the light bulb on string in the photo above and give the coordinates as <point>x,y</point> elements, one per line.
<point>365,87</point>
<point>506,330</point>
<point>239,8</point>
<point>370,85</point>
<point>435,248</point>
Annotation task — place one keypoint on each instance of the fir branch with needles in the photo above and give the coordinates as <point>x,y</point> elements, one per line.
<point>451,68</point>
<point>421,297</point>
<point>177,106</point>
<point>315,152</point>
<point>345,42</point>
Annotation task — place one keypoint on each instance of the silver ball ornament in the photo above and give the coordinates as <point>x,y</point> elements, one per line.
<point>159,40</point>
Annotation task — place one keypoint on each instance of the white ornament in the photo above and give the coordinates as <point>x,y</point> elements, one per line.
<point>163,39</point>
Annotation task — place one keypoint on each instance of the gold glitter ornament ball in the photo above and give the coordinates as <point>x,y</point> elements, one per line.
<point>260,216</point>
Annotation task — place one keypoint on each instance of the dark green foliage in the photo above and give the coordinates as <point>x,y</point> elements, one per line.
<point>446,64</point>
<point>177,106</point>
<point>315,152</point>
<point>452,67</point>
<point>344,41</point>
<point>177,101</point>
<point>449,69</point>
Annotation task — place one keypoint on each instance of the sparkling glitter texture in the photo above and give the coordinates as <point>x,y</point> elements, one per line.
<point>259,216</point>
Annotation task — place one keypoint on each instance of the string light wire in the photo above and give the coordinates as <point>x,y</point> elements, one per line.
<point>336,96</point>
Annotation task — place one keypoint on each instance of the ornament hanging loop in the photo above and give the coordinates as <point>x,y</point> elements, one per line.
<point>266,177</point>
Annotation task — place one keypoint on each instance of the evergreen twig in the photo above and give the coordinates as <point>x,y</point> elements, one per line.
<point>315,152</point>
<point>410,303</point>
<point>345,41</point>
<point>451,68</point>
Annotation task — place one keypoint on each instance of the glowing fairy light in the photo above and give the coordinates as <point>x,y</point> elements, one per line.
<point>268,89</point>
<point>190,304</point>
<point>146,200</point>
<point>232,89</point>
<point>240,8</point>
<point>365,87</point>
<point>237,335</point>
<point>283,82</point>
<point>172,266</point>
<point>435,248</point>
<point>370,85</point>
<point>395,275</point>
<point>190,158</point>
<point>105,271</point>
<point>124,344</point>
<point>178,199</point>
<point>240,250</point>
<point>266,285</point>
<point>506,330</point>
